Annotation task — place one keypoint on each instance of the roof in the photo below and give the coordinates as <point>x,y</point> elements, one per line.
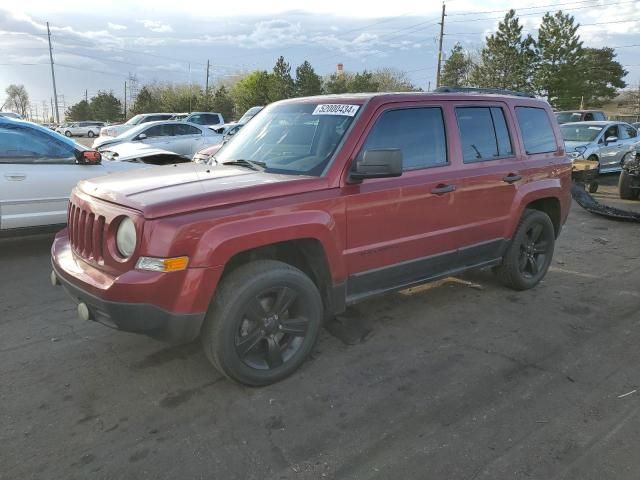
<point>383,97</point>
<point>35,126</point>
<point>577,111</point>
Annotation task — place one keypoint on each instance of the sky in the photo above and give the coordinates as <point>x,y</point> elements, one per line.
<point>98,45</point>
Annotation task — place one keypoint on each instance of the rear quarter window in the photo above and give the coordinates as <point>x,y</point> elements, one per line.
<point>535,128</point>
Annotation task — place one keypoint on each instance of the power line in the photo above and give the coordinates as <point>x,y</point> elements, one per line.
<point>522,8</point>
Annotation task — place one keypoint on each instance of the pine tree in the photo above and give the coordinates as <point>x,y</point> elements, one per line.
<point>507,59</point>
<point>362,82</point>
<point>146,102</point>
<point>307,82</point>
<point>457,68</point>
<point>223,103</point>
<point>79,111</point>
<point>337,83</point>
<point>106,107</point>
<point>559,53</point>
<point>600,75</point>
<point>282,84</point>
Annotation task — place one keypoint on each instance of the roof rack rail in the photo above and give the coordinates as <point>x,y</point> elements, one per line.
<point>498,91</point>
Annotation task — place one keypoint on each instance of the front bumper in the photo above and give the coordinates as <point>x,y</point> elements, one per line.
<point>166,306</point>
<point>136,317</point>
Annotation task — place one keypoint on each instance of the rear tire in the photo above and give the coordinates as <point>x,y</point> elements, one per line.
<point>529,254</point>
<point>90,134</point>
<point>263,322</point>
<point>67,133</point>
<point>625,183</point>
<point>593,187</point>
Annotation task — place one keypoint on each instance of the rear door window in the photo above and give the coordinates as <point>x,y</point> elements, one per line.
<point>418,132</point>
<point>184,129</point>
<point>483,134</point>
<point>159,131</point>
<point>535,128</point>
<point>599,116</point>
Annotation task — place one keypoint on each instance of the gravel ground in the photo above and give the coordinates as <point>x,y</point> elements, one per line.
<point>462,379</point>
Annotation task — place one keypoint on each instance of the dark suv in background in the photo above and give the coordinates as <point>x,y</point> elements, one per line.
<point>580,116</point>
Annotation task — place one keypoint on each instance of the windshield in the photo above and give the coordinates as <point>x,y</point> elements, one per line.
<point>249,114</point>
<point>291,138</point>
<point>580,133</point>
<point>132,132</point>
<point>134,120</point>
<point>566,117</point>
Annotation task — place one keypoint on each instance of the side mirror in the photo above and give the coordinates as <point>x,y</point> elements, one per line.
<point>378,163</point>
<point>142,136</point>
<point>611,140</point>
<point>90,157</point>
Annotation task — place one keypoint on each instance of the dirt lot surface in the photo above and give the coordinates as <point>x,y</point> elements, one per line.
<point>463,379</point>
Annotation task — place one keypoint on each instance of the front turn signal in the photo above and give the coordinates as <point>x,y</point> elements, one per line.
<point>153,264</point>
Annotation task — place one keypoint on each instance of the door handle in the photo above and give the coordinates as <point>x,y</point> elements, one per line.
<point>441,189</point>
<point>15,177</point>
<point>511,178</point>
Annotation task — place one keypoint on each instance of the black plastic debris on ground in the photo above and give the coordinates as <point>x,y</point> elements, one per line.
<point>350,327</point>
<point>586,201</point>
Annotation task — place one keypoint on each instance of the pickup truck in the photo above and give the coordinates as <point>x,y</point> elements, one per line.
<point>316,204</point>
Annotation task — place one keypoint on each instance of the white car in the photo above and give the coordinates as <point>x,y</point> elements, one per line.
<point>178,137</point>
<point>38,170</point>
<point>115,130</point>
<point>81,129</point>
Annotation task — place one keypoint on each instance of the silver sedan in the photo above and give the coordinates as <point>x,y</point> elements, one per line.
<point>608,143</point>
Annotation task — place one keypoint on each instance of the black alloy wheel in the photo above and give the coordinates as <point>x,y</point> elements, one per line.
<point>529,253</point>
<point>272,328</point>
<point>534,251</point>
<point>263,322</point>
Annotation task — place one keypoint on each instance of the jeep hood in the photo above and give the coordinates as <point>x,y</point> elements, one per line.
<point>174,189</point>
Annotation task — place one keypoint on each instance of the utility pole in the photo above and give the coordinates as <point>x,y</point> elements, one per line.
<point>86,97</point>
<point>53,74</point>
<point>440,45</point>
<point>206,88</point>
<point>52,114</point>
<point>125,99</point>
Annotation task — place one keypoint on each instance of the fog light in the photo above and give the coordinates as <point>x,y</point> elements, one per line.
<point>153,264</point>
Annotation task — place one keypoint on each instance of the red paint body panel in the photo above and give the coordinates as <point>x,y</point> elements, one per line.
<point>211,214</point>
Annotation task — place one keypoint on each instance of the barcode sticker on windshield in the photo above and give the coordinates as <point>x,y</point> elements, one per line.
<point>336,109</point>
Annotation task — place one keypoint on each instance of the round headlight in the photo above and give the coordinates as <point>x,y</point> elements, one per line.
<point>126,237</point>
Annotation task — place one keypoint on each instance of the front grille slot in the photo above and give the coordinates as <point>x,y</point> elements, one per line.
<point>86,233</point>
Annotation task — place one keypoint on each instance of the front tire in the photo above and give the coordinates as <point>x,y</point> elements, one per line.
<point>90,134</point>
<point>263,322</point>
<point>593,158</point>
<point>67,133</point>
<point>529,254</point>
<point>625,187</point>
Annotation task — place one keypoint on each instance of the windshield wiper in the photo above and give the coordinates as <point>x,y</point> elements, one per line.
<point>252,164</point>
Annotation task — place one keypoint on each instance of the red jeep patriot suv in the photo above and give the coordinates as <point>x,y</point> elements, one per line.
<point>316,204</point>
